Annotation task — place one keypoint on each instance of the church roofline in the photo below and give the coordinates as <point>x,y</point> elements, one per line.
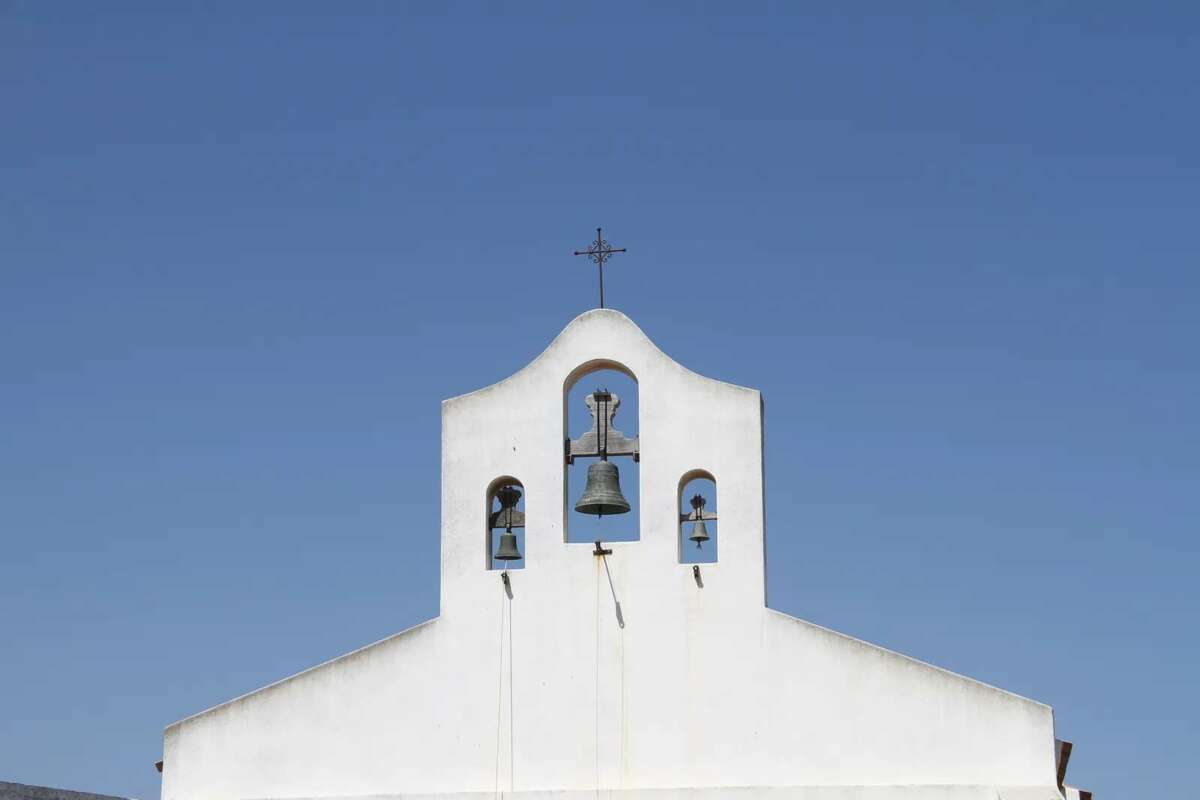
<point>276,684</point>
<point>910,659</point>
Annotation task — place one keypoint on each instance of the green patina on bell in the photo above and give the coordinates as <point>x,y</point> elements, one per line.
<point>508,547</point>
<point>602,494</point>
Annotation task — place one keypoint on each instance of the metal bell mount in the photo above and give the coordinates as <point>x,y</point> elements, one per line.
<point>699,529</point>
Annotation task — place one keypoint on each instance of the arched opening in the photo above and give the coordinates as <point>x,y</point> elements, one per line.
<point>600,412</point>
<point>504,513</point>
<point>697,503</point>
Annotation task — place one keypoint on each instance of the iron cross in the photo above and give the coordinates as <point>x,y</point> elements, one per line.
<point>599,252</point>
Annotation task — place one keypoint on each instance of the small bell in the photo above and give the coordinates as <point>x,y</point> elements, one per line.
<point>699,529</point>
<point>602,494</point>
<point>508,547</point>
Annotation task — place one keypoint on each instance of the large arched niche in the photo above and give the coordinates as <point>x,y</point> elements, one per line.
<point>621,381</point>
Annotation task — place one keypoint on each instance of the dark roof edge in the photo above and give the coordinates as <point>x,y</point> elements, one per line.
<point>23,791</point>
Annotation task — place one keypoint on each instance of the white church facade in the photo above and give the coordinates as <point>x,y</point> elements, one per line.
<point>535,683</point>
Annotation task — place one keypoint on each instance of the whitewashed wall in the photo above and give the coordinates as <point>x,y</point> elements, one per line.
<point>703,690</point>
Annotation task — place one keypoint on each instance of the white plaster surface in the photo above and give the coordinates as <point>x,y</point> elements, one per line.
<point>705,692</point>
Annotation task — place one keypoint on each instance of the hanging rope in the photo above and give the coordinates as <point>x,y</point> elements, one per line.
<point>500,699</point>
<point>499,695</point>
<point>596,684</point>
<point>624,725</point>
<point>511,738</point>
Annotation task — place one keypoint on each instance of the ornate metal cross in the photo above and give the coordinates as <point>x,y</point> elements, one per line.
<point>599,252</point>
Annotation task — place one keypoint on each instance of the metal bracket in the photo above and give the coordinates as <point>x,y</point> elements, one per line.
<point>588,445</point>
<point>601,551</point>
<point>508,515</point>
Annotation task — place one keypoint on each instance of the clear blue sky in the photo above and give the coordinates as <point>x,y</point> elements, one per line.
<point>246,250</point>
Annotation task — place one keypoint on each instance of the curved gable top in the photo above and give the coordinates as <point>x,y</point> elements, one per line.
<point>614,338</point>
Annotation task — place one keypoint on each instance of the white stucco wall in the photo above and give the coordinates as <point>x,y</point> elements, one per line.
<point>703,690</point>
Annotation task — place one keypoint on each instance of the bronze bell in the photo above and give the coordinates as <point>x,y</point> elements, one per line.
<point>699,529</point>
<point>508,547</point>
<point>602,494</point>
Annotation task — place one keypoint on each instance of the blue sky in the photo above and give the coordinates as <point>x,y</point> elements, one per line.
<point>247,249</point>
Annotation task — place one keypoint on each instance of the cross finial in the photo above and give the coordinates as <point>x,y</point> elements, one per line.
<point>599,251</point>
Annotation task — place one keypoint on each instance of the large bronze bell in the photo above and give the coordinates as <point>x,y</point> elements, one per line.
<point>508,547</point>
<point>602,494</point>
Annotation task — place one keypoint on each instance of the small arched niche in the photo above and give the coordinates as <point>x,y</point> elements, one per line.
<point>587,423</point>
<point>505,510</point>
<point>697,504</point>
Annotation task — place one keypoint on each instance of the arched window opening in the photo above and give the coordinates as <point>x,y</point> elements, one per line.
<point>601,421</point>
<point>697,518</point>
<point>505,515</point>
